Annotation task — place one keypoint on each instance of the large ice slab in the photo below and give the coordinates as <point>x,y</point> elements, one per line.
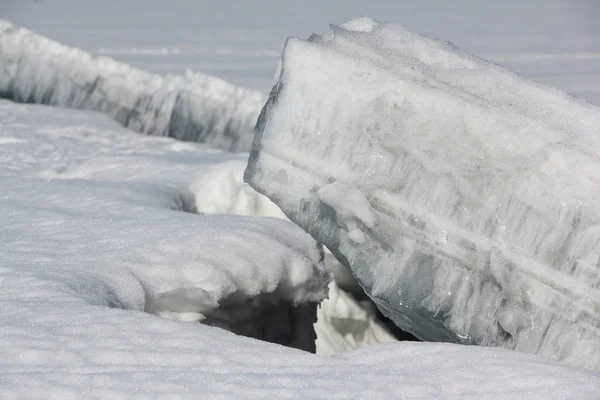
<point>465,198</point>
<point>194,107</point>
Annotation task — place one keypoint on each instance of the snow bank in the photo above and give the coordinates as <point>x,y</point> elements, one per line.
<point>464,198</point>
<point>195,107</point>
<point>115,246</point>
<point>145,251</point>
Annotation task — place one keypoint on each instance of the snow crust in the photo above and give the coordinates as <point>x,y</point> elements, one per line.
<point>194,107</point>
<point>463,197</point>
<point>95,232</point>
<point>71,175</point>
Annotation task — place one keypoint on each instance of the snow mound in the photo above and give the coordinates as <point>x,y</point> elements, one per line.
<point>173,264</point>
<point>145,251</point>
<point>221,190</point>
<point>194,107</point>
<point>464,198</point>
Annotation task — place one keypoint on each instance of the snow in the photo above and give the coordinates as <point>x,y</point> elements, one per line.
<point>227,193</point>
<point>209,182</point>
<point>69,176</point>
<point>345,324</point>
<point>463,197</point>
<point>96,237</point>
<point>193,107</point>
<point>59,340</point>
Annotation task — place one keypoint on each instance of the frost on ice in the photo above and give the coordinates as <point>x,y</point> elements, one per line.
<point>465,198</point>
<point>194,107</point>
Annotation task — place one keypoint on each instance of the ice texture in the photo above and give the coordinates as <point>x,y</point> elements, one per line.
<point>464,198</point>
<point>194,107</point>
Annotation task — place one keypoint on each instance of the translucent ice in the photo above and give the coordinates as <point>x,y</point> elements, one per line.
<point>465,198</point>
<point>194,107</point>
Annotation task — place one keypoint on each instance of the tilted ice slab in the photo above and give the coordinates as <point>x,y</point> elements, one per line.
<point>194,107</point>
<point>465,198</point>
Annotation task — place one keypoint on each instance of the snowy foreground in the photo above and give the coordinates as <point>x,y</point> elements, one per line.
<point>98,232</point>
<point>465,199</point>
<point>194,107</point>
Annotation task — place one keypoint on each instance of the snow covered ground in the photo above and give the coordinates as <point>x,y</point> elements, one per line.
<point>99,229</point>
<point>463,197</point>
<point>98,233</point>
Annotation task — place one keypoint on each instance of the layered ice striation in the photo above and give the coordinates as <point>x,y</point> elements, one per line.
<point>194,107</point>
<point>465,198</point>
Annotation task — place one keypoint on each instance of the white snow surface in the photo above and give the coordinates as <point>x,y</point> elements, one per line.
<point>464,197</point>
<point>194,107</point>
<point>94,229</point>
<point>72,174</point>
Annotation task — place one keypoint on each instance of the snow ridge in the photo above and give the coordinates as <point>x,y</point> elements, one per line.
<point>194,107</point>
<point>68,173</point>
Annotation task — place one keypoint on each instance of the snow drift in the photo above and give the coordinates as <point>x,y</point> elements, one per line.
<point>465,198</point>
<point>195,107</point>
<point>106,214</point>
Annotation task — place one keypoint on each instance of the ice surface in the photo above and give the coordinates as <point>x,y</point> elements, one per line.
<point>464,198</point>
<point>194,107</point>
<point>94,232</point>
